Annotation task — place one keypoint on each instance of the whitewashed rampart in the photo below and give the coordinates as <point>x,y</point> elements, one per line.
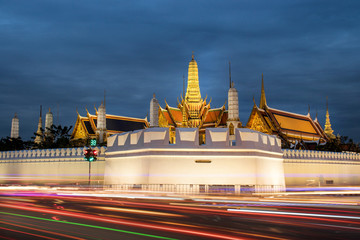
<point>146,158</point>
<point>319,168</point>
<point>50,166</point>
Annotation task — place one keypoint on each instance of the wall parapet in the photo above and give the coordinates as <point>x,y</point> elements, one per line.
<point>320,155</point>
<point>216,138</point>
<point>48,153</point>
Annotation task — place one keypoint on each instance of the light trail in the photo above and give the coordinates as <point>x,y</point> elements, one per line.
<point>121,221</point>
<point>26,233</point>
<point>88,225</point>
<point>138,211</point>
<point>293,214</point>
<point>41,230</point>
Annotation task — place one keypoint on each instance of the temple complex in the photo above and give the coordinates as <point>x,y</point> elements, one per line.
<point>290,127</point>
<point>192,111</point>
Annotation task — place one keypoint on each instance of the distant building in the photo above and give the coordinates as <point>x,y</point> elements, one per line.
<point>88,126</point>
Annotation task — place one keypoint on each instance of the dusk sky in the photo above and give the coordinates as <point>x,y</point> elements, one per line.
<point>64,54</point>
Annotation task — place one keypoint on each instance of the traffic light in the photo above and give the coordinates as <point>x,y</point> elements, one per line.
<point>87,154</point>
<point>90,154</point>
<point>94,154</point>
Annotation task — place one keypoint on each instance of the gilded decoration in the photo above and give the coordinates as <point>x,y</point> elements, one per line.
<point>192,110</point>
<point>258,125</point>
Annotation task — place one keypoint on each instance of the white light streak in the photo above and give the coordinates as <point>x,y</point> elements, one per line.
<point>293,213</point>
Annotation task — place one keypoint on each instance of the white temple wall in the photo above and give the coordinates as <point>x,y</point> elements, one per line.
<point>324,169</point>
<point>172,169</point>
<point>254,159</point>
<point>50,167</point>
<point>138,158</point>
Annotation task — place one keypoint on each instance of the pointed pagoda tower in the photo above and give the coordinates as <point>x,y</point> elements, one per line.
<point>14,127</point>
<point>39,133</point>
<point>328,130</point>
<point>233,120</point>
<point>154,107</point>
<point>49,120</point>
<point>101,122</point>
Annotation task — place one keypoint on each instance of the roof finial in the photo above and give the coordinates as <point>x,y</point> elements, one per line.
<point>40,110</point>
<point>154,95</point>
<point>308,108</point>
<point>230,73</point>
<point>192,56</point>
<point>262,98</point>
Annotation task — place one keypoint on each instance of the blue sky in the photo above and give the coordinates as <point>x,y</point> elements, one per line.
<point>64,54</point>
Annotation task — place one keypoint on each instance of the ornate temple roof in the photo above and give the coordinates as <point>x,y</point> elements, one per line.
<point>192,111</point>
<point>286,124</point>
<point>86,126</point>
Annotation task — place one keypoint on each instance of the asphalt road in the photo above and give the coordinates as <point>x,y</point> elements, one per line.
<point>36,215</point>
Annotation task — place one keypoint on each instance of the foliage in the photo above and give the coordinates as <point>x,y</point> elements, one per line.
<point>11,144</point>
<point>339,144</point>
<point>56,137</point>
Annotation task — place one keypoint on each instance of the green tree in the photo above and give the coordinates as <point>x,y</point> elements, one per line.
<point>56,137</point>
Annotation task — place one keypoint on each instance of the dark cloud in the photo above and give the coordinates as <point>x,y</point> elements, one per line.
<point>63,54</point>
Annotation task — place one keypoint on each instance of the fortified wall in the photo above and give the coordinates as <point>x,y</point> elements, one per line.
<point>50,167</point>
<point>146,158</point>
<point>321,169</point>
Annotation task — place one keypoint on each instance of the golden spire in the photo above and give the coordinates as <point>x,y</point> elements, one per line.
<point>262,98</point>
<point>193,90</point>
<point>328,130</point>
<point>193,97</point>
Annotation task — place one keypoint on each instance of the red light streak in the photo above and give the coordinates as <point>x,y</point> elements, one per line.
<point>39,236</point>
<point>41,230</point>
<point>124,222</point>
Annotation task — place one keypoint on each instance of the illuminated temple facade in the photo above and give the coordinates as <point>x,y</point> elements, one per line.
<point>192,111</point>
<point>290,127</point>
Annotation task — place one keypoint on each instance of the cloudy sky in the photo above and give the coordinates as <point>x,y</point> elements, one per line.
<point>64,54</point>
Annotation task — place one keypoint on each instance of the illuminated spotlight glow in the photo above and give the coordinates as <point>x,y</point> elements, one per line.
<point>294,214</point>
<point>87,225</point>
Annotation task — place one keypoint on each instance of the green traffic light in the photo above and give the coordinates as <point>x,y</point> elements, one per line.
<point>91,159</point>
